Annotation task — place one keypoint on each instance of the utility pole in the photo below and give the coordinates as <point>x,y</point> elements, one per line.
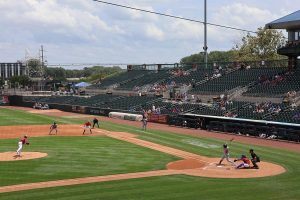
<point>42,55</point>
<point>205,35</point>
<point>42,68</point>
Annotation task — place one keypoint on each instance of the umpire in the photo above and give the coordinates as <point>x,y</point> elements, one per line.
<point>254,158</point>
<point>95,121</point>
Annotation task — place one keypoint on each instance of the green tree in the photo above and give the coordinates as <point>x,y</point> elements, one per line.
<point>262,46</point>
<point>35,68</point>
<point>56,73</point>
<point>20,81</point>
<point>1,82</point>
<point>213,56</point>
<point>89,73</point>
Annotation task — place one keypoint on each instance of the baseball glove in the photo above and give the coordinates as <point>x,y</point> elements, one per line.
<point>235,160</point>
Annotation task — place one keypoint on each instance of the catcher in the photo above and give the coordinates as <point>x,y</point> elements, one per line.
<point>245,162</point>
<point>53,127</point>
<point>22,142</point>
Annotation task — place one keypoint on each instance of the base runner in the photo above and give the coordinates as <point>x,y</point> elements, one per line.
<point>87,126</point>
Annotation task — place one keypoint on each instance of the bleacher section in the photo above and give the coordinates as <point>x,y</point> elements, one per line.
<point>150,77</point>
<point>193,76</point>
<point>260,81</point>
<point>128,103</point>
<point>94,101</point>
<point>238,78</point>
<point>243,110</point>
<point>119,78</point>
<point>287,116</point>
<point>233,98</point>
<point>289,81</point>
<point>168,108</point>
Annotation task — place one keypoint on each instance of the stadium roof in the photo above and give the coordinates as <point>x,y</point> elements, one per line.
<point>291,21</point>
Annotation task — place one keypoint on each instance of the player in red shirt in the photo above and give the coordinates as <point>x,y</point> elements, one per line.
<point>22,142</point>
<point>87,125</point>
<point>245,162</point>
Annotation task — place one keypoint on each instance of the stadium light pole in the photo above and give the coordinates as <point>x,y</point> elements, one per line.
<point>205,34</point>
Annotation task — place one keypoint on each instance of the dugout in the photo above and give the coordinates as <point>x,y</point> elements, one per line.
<point>247,127</point>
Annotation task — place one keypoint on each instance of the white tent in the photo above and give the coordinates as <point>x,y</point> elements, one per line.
<point>82,84</point>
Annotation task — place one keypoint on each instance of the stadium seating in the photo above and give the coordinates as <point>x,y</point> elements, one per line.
<point>119,78</point>
<point>149,78</point>
<point>273,88</point>
<point>238,78</point>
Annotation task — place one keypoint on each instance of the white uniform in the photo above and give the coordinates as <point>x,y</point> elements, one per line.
<point>226,155</point>
<point>19,150</point>
<point>20,145</point>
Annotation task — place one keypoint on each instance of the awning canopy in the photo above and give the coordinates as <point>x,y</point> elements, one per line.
<point>82,84</point>
<point>289,22</point>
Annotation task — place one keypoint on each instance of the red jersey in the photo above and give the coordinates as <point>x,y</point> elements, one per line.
<point>87,124</point>
<point>23,140</point>
<point>246,160</point>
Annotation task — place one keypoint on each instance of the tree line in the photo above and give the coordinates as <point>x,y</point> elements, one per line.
<point>262,46</point>
<point>95,73</point>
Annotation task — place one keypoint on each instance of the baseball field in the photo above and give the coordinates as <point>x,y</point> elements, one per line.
<point>121,161</point>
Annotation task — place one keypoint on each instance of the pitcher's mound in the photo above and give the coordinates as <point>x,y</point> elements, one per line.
<point>11,156</point>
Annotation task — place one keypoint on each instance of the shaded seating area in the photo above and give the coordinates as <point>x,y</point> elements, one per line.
<point>149,78</point>
<point>238,78</point>
<point>119,78</point>
<point>272,87</point>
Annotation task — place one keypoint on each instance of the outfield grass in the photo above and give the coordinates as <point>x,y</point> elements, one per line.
<point>19,117</point>
<point>72,157</point>
<point>284,186</point>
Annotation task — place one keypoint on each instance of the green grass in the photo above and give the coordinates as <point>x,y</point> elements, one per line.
<point>19,117</point>
<point>284,186</point>
<point>70,157</point>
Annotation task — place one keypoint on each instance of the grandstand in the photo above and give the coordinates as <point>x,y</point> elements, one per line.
<point>229,89</point>
<point>276,85</point>
<point>251,80</point>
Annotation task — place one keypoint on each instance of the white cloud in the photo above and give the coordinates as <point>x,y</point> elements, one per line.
<point>243,15</point>
<point>154,32</point>
<point>83,30</point>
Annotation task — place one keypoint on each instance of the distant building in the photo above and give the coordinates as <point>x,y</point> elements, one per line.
<point>8,70</point>
<point>291,23</point>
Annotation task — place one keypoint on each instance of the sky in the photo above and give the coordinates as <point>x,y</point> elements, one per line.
<point>85,31</point>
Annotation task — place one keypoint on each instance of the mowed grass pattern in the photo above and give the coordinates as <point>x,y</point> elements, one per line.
<point>177,187</point>
<point>284,186</point>
<point>72,157</point>
<point>19,117</point>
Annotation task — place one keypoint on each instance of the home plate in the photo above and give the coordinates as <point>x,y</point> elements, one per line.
<point>219,166</point>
